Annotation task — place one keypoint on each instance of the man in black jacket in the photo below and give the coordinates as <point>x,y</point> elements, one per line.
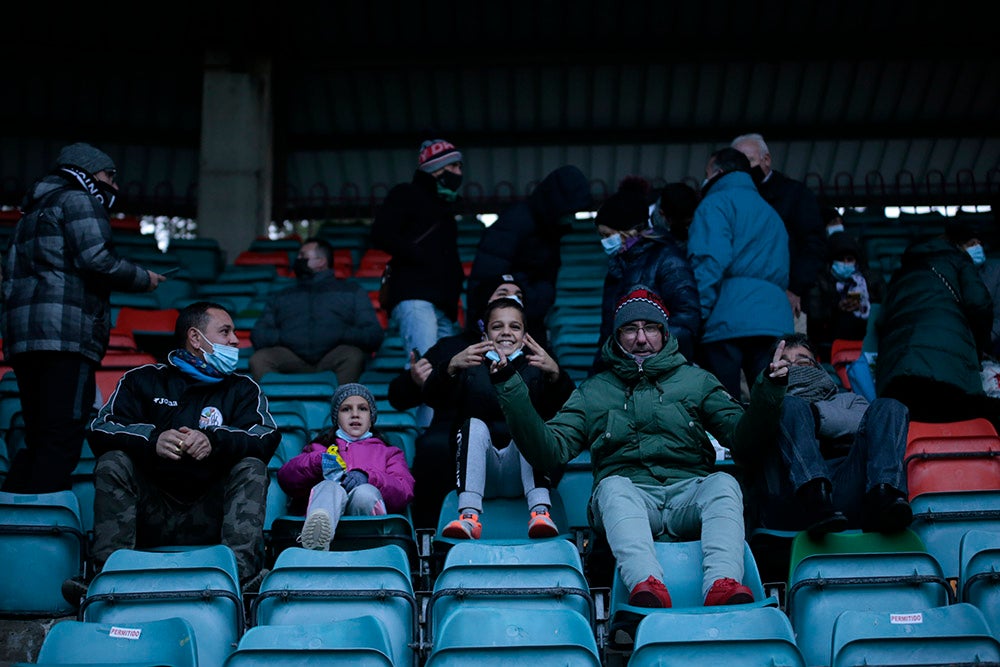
<point>799,210</point>
<point>321,323</point>
<point>183,449</point>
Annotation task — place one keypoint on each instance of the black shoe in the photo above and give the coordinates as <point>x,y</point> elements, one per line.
<point>74,590</point>
<point>817,498</point>
<point>885,510</point>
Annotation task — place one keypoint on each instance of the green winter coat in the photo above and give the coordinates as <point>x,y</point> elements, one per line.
<point>647,424</point>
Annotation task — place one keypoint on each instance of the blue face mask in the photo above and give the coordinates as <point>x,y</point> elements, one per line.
<point>612,244</point>
<point>494,356</point>
<point>977,254</point>
<point>222,358</point>
<point>842,270</point>
<point>833,229</point>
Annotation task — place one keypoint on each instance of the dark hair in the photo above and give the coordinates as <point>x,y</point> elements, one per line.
<point>794,340</point>
<point>324,247</point>
<point>194,315</point>
<point>678,201</point>
<point>729,159</point>
<point>497,304</point>
<point>628,208</point>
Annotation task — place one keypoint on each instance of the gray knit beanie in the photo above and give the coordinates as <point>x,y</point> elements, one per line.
<point>345,391</point>
<point>86,157</point>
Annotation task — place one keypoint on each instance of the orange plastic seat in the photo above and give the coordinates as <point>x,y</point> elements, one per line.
<point>937,463</point>
<point>842,353</point>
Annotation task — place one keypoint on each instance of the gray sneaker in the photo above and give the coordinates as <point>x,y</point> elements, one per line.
<point>317,531</point>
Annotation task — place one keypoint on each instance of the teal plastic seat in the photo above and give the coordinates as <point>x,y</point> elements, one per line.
<point>307,586</point>
<point>353,533</point>
<point>682,575</point>
<point>979,574</point>
<point>508,635</point>
<point>942,518</point>
<point>42,543</point>
<point>857,571</point>
<point>169,641</point>
<point>198,584</point>
<point>752,637</point>
<point>361,641</point>
<point>950,635</point>
<point>542,574</point>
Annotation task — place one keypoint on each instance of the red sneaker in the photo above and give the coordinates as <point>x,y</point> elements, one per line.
<point>727,591</point>
<point>650,593</point>
<point>542,525</point>
<point>465,527</point>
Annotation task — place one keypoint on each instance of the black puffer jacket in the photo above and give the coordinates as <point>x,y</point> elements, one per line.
<point>428,269</point>
<point>657,262</point>
<point>935,320</point>
<point>525,241</point>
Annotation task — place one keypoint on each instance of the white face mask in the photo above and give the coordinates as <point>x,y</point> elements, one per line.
<point>222,358</point>
<point>612,244</point>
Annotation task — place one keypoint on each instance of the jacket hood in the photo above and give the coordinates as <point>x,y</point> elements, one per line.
<point>919,253</point>
<point>562,192</point>
<point>41,189</point>
<point>628,369</point>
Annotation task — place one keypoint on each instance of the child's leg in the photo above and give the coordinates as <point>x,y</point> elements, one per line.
<point>326,505</point>
<point>365,500</point>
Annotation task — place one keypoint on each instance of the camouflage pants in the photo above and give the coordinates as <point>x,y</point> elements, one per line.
<point>130,512</point>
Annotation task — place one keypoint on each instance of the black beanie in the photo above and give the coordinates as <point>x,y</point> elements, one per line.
<point>628,208</point>
<point>86,157</point>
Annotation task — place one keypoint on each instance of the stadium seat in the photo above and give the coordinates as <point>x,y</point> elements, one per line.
<point>752,637</point>
<point>83,486</point>
<point>304,586</point>
<point>372,263</point>
<point>203,258</point>
<point>952,463</point>
<point>964,428</point>
<point>857,571</point>
<point>682,575</point>
<point>842,353</point>
<point>948,635</point>
<point>198,584</point>
<point>502,636</point>
<point>169,641</point>
<point>941,519</point>
<point>541,574</point>
<point>354,533</point>
<point>276,258</point>
<point>361,641</point>
<point>42,544</point>
<point>979,574</point>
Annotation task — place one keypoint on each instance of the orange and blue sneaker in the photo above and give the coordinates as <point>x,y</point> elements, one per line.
<point>465,527</point>
<point>541,525</point>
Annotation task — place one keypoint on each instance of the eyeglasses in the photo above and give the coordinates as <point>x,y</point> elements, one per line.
<point>112,174</point>
<point>632,330</point>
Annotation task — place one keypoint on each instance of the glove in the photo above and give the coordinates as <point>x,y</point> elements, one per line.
<point>353,479</point>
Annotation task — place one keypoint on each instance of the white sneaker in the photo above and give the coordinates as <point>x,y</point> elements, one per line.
<point>316,531</point>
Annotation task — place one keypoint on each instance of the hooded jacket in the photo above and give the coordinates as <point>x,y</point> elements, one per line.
<point>153,398</point>
<point>428,269</point>
<point>738,249</point>
<point>647,423</point>
<point>316,315</point>
<point>526,241</point>
<point>936,319</point>
<point>59,271</point>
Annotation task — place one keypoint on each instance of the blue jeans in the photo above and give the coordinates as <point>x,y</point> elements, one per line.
<point>875,457</point>
<point>420,324</point>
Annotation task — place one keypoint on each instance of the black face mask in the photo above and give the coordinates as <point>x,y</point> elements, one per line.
<point>757,174</point>
<point>449,180</point>
<point>302,270</point>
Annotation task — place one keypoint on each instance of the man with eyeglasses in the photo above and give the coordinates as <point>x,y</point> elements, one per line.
<point>58,273</point>
<point>838,459</point>
<point>645,420</point>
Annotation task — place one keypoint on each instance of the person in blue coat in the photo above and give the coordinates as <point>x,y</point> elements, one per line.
<point>738,248</point>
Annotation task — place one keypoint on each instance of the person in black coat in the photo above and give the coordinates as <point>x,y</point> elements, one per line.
<point>525,242</point>
<point>799,210</point>
<point>641,253</point>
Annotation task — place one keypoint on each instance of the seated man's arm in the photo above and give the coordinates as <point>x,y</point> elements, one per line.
<point>546,445</point>
<point>250,430</point>
<point>123,422</point>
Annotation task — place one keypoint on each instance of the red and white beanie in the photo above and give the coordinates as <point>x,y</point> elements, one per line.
<point>641,303</point>
<point>437,153</point>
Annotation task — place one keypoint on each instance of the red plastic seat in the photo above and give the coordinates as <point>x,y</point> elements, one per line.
<point>126,360</point>
<point>952,463</point>
<point>132,319</point>
<point>968,427</point>
<point>842,353</point>
<point>276,258</point>
<point>372,263</point>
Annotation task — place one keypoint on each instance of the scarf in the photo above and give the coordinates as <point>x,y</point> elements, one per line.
<point>810,383</point>
<point>193,366</point>
<point>856,283</point>
<point>78,178</point>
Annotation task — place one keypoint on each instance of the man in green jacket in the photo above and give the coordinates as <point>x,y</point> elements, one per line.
<point>645,421</point>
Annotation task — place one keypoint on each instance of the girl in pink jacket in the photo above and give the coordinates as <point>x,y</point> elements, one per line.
<point>349,470</point>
